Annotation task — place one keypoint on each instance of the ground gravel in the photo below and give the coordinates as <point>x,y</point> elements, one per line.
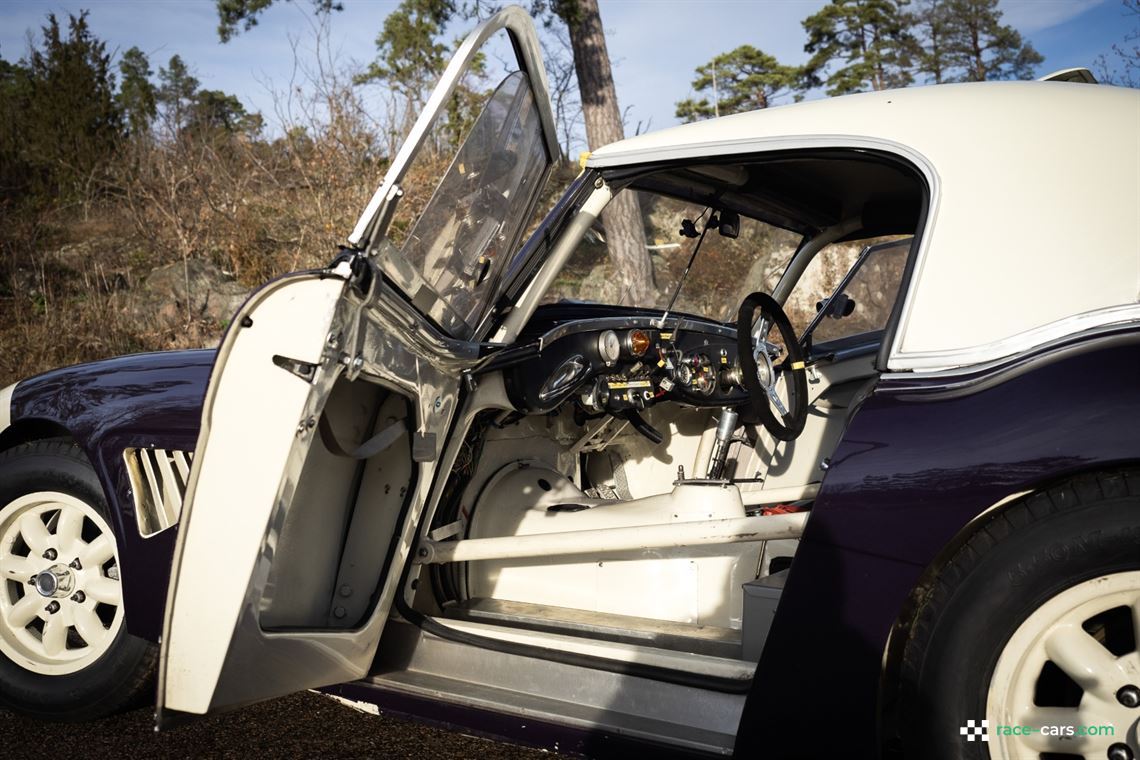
<point>304,725</point>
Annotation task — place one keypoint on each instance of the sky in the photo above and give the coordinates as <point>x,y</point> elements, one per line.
<point>654,46</point>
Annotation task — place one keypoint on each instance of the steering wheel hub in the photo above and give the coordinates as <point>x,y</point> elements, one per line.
<point>765,371</point>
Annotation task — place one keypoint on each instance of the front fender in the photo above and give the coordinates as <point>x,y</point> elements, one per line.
<point>136,401</point>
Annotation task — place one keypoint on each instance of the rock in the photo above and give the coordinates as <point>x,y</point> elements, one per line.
<point>193,289</point>
<point>600,285</point>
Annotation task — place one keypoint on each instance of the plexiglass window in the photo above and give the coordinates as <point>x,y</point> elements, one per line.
<point>450,260</point>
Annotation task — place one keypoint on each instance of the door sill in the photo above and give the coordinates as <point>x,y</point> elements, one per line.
<point>701,665</point>
<point>601,626</point>
<point>419,664</point>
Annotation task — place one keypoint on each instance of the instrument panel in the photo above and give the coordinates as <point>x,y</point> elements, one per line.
<point>619,364</point>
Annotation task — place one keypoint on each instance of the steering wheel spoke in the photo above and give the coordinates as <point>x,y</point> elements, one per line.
<point>777,402</point>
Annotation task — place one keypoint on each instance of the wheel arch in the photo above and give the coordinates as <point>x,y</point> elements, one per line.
<point>33,429</point>
<point>920,593</point>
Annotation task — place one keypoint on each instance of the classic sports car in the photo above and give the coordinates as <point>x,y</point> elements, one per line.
<point>465,477</point>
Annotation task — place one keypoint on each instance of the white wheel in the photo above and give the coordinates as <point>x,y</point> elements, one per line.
<point>61,603</point>
<point>1072,666</point>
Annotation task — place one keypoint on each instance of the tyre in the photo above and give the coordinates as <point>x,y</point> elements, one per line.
<point>64,650</point>
<point>1032,627</point>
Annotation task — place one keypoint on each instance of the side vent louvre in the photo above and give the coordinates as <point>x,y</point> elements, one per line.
<point>158,481</point>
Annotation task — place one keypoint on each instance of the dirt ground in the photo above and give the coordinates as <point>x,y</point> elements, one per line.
<point>304,725</point>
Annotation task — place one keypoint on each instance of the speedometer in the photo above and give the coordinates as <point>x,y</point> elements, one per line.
<point>609,346</point>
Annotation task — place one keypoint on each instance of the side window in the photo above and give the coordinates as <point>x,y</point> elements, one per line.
<point>450,258</point>
<point>866,300</point>
<point>724,272</point>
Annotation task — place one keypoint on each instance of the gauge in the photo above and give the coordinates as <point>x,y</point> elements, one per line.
<point>703,381</point>
<point>609,346</point>
<point>684,374</point>
<point>638,342</point>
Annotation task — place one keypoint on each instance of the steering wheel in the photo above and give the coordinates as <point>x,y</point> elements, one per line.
<point>760,375</point>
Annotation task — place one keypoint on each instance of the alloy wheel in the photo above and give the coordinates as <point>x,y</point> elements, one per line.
<point>1068,680</point>
<point>61,603</point>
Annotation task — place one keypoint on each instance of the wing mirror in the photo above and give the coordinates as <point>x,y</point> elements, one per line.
<point>841,306</point>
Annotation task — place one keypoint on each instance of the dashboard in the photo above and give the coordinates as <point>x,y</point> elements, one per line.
<point>626,360</point>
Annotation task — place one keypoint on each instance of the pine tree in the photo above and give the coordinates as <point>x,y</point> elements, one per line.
<point>177,91</point>
<point>14,170</point>
<point>220,112</point>
<point>411,55</point>
<point>137,94</point>
<point>979,47</point>
<point>859,45</point>
<point>743,79</point>
<point>73,122</point>
<point>932,21</point>
<point>233,14</point>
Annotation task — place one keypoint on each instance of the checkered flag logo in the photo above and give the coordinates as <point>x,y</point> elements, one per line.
<point>975,730</point>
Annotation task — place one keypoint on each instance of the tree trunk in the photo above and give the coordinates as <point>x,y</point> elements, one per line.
<point>976,48</point>
<point>625,233</point>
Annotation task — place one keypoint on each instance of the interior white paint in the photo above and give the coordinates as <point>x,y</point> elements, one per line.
<point>1034,192</point>
<point>253,406</point>
<point>6,406</point>
<point>679,535</point>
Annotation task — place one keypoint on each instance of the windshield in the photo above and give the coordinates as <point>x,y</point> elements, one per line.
<point>450,260</point>
<point>724,272</point>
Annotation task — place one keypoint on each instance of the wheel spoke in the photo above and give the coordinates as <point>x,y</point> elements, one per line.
<point>19,569</point>
<point>35,533</point>
<point>55,635</point>
<point>1136,619</point>
<point>68,530</point>
<point>89,625</point>
<point>1084,660</point>
<point>98,551</point>
<point>25,611</point>
<point>104,590</point>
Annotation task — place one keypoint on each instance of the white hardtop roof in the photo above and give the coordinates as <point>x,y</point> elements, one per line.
<point>922,118</point>
<point>1033,229</point>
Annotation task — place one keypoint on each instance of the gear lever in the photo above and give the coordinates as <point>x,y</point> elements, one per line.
<point>725,427</point>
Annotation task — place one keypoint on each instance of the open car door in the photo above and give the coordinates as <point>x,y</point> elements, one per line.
<point>329,404</point>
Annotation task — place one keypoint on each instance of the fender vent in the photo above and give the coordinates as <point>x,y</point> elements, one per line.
<point>158,482</point>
